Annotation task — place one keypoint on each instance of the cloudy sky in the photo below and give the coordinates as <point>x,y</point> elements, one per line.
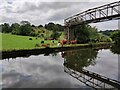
<point>43,11</point>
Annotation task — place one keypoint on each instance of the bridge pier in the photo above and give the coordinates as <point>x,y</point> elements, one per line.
<point>69,34</point>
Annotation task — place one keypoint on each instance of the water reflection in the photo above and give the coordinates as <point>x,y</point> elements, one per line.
<point>80,58</point>
<point>75,61</point>
<point>48,71</point>
<point>37,72</point>
<point>115,49</point>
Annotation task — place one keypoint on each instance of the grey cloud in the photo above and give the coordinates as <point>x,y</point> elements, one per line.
<point>44,12</point>
<point>38,72</point>
<point>27,6</point>
<point>63,13</point>
<point>108,25</point>
<point>13,77</point>
<point>59,15</point>
<point>9,19</point>
<point>42,6</point>
<point>72,9</point>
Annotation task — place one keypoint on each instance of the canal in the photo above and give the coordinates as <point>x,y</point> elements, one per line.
<point>49,71</point>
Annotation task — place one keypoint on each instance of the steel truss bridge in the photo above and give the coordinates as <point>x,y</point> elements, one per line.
<point>99,14</point>
<point>93,80</point>
<point>103,13</point>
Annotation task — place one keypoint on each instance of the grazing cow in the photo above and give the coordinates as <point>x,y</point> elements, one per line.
<point>63,42</point>
<point>42,42</point>
<point>73,42</point>
<point>46,45</point>
<point>30,38</point>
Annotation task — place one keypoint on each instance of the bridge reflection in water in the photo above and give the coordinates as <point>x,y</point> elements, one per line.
<point>75,61</point>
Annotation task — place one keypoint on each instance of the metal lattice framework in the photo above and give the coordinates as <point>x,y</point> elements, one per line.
<point>93,80</point>
<point>103,13</point>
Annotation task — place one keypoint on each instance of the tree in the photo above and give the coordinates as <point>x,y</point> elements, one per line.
<point>81,33</point>
<point>92,32</point>
<point>15,28</point>
<point>40,26</point>
<point>33,26</point>
<point>115,48</point>
<point>84,33</point>
<point>1,28</point>
<point>25,29</point>
<point>116,36</point>
<point>103,38</point>
<point>55,35</point>
<point>6,28</point>
<point>54,27</point>
<point>50,26</point>
<point>78,59</point>
<point>24,22</point>
<point>106,32</point>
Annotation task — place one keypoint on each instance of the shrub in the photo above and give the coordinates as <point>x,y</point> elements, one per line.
<point>37,45</point>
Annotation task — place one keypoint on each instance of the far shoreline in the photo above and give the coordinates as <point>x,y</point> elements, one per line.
<point>36,51</point>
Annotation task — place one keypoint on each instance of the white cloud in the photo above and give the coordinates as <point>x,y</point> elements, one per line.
<point>108,25</point>
<point>44,11</point>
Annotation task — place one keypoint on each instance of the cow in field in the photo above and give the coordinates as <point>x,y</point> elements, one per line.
<point>46,45</point>
<point>62,42</point>
<point>73,42</point>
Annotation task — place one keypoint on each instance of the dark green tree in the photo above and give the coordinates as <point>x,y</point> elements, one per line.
<point>24,22</point>
<point>81,33</point>
<point>55,35</point>
<point>1,28</point>
<point>84,33</point>
<point>40,26</point>
<point>54,27</point>
<point>116,36</point>
<point>6,28</point>
<point>50,26</point>
<point>115,48</point>
<point>25,29</point>
<point>59,27</point>
<point>78,59</point>
<point>93,32</point>
<point>33,26</point>
<point>15,28</point>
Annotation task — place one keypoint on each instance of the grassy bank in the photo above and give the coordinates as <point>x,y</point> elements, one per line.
<point>47,51</point>
<point>16,42</point>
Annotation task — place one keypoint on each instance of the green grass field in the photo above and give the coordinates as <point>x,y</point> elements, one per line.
<point>16,42</point>
<point>10,42</point>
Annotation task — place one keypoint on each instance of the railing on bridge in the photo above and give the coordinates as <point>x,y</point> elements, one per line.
<point>93,80</point>
<point>103,13</point>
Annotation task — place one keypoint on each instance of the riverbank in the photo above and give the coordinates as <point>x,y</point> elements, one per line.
<point>11,42</point>
<point>48,50</point>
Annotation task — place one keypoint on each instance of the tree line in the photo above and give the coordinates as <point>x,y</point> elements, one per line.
<point>113,34</point>
<point>26,29</point>
<point>83,33</point>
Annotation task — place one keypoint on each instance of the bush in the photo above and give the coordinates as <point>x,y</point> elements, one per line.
<point>37,45</point>
<point>116,36</point>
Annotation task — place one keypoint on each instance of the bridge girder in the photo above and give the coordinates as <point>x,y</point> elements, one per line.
<point>93,80</point>
<point>99,14</point>
<point>103,13</point>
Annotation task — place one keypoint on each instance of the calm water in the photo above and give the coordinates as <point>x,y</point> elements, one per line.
<point>49,71</point>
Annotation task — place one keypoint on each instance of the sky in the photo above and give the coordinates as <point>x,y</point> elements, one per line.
<point>44,11</point>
